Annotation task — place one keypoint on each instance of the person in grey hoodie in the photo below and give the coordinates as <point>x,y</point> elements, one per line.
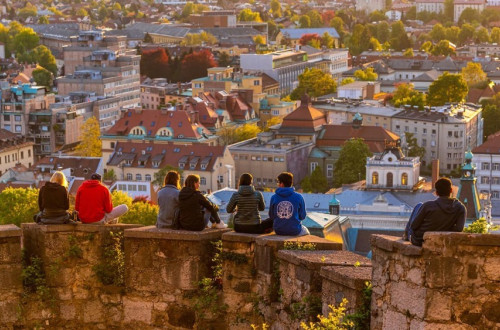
<point>445,213</point>
<point>247,202</point>
<point>168,200</point>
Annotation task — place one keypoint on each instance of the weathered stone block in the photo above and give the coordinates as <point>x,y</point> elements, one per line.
<point>408,298</point>
<point>394,321</point>
<point>181,316</point>
<point>491,268</point>
<point>438,306</point>
<point>443,272</point>
<point>137,310</point>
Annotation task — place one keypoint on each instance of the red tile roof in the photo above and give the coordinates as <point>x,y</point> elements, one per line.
<point>153,120</point>
<point>166,154</point>
<point>82,166</point>
<point>476,95</point>
<point>374,136</point>
<point>491,146</point>
<point>304,116</point>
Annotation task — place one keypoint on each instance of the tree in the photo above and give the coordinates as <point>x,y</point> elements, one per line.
<point>195,65</point>
<point>43,56</point>
<point>139,211</point>
<point>383,32</point>
<point>466,34</point>
<point>82,12</point>
<point>375,44</point>
<point>276,8</point>
<point>43,20</point>
<point>305,184</point>
<point>246,131</point>
<point>449,10</point>
<point>366,75</point>
<point>447,88</point>
<point>414,150</point>
<point>195,39</point>
<point>154,63</point>
<point>18,205</point>
<point>24,40</point>
<point>376,16</point>
<point>314,82</point>
<point>469,15</point>
<point>452,34</point>
<point>308,37</point>
<point>408,52</point>
<point>327,16</point>
<point>28,11</point>
<point>338,24</point>
<point>443,48</point>
<point>319,183</point>
<point>481,35</point>
<point>247,15</point>
<point>399,39</point>
<point>304,21</point>
<point>42,77</point>
<point>327,41</point>
<point>109,175</point>
<point>405,94</point>
<point>259,40</point>
<point>90,145</point>
<point>159,177</point>
<point>275,120</point>
<point>351,165</point>
<point>224,59</point>
<point>495,35</point>
<point>346,81</point>
<point>315,17</point>
<point>473,74</point>
<point>438,33</point>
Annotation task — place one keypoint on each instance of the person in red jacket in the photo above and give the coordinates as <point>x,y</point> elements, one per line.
<point>93,203</point>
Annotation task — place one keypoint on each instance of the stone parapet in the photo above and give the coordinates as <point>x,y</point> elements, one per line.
<point>10,274</point>
<point>452,281</point>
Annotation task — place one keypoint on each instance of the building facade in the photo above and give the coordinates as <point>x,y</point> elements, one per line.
<point>487,166</point>
<point>460,5</point>
<point>14,150</point>
<point>432,6</point>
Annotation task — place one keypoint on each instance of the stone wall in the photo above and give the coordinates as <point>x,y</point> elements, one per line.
<point>452,282</point>
<point>129,276</point>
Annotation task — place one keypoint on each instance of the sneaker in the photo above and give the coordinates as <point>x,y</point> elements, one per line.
<point>220,225</point>
<point>112,221</point>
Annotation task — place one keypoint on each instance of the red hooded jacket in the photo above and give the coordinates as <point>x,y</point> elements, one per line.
<point>93,200</point>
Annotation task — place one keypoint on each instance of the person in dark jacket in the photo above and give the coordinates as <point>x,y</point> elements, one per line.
<point>196,211</point>
<point>287,208</point>
<point>247,202</point>
<point>445,213</point>
<point>168,200</point>
<point>53,199</point>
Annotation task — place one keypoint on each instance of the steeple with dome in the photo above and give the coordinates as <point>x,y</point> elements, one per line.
<point>467,191</point>
<point>334,206</point>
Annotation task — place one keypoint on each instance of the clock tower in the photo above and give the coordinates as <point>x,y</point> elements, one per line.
<point>334,206</point>
<point>467,191</point>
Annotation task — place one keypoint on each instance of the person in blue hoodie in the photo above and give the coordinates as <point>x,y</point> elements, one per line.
<point>287,208</point>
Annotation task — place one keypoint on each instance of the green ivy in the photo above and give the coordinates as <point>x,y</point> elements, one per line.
<point>308,308</point>
<point>361,318</point>
<point>480,226</point>
<point>289,245</point>
<point>111,269</point>
<point>237,258</point>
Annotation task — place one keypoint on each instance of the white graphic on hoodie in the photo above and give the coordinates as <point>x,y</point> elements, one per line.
<point>284,210</point>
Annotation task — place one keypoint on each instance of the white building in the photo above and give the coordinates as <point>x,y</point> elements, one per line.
<point>487,160</point>
<point>392,170</point>
<point>433,6</point>
<point>370,5</point>
<point>460,5</point>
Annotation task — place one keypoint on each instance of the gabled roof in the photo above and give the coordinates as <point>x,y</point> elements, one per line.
<point>82,167</point>
<point>167,154</point>
<point>152,121</point>
<point>305,116</point>
<point>491,146</point>
<point>374,136</point>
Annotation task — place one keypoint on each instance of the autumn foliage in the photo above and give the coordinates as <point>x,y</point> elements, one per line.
<point>154,63</point>
<point>307,38</point>
<point>195,65</point>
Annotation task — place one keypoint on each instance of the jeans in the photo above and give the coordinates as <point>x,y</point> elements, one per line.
<point>408,231</point>
<point>112,217</point>
<point>262,227</point>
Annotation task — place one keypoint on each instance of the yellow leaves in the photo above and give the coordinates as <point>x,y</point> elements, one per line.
<point>90,145</point>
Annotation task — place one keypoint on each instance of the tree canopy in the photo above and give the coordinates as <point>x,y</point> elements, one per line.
<point>90,145</point>
<point>473,74</point>
<point>18,205</point>
<point>367,74</point>
<point>447,88</point>
<point>314,82</point>
<point>351,165</point>
<point>414,150</point>
<point>406,94</point>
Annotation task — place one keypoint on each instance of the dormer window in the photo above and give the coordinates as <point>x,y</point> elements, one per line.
<point>181,165</point>
<point>156,164</point>
<point>203,166</point>
<point>192,166</point>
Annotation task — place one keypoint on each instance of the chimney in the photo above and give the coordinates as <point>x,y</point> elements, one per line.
<point>370,91</point>
<point>435,171</point>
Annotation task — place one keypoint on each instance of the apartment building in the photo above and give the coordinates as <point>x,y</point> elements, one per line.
<point>14,150</point>
<point>285,66</point>
<point>108,69</point>
<point>445,132</point>
<point>487,161</point>
<point>158,93</point>
<point>138,161</point>
<point>432,6</point>
<point>370,5</point>
<point>460,5</point>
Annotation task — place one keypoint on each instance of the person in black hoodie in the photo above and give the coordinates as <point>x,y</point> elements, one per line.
<point>53,199</point>
<point>445,213</point>
<point>248,203</point>
<point>193,206</point>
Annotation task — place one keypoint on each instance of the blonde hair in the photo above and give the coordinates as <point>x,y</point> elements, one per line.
<point>60,178</point>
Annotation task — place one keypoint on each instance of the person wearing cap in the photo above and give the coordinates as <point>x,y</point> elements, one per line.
<point>93,203</point>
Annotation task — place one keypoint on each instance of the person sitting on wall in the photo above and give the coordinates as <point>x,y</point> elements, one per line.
<point>196,211</point>
<point>445,213</point>
<point>287,208</point>
<point>248,202</point>
<point>53,201</point>
<point>94,205</point>
<point>168,200</point>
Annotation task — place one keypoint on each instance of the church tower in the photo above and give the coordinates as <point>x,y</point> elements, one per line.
<point>334,206</point>
<point>467,191</point>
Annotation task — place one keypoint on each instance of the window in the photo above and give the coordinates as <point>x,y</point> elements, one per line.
<point>148,177</point>
<point>138,177</point>
<point>375,178</point>
<point>404,179</point>
<point>450,133</point>
<point>449,155</point>
<point>17,118</point>
<point>256,82</point>
<point>142,187</point>
<point>22,154</point>
<point>496,167</point>
<point>112,145</point>
<point>424,130</point>
<point>415,129</point>
<point>329,170</point>
<point>433,131</point>
<point>132,187</point>
<point>485,166</point>
<point>29,153</point>
<point>129,176</point>
<point>220,178</point>
<point>495,194</point>
<point>6,117</point>
<point>407,129</point>
<point>313,166</point>
<point>495,180</point>
<point>449,144</point>
<point>485,179</point>
<point>203,181</point>
<point>397,127</point>
<point>424,142</point>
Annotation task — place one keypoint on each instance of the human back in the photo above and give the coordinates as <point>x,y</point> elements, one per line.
<point>168,200</point>
<point>247,201</point>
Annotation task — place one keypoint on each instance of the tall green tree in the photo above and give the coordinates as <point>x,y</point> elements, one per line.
<point>276,8</point>
<point>319,182</point>
<point>414,150</point>
<point>473,74</point>
<point>316,19</point>
<point>42,77</point>
<point>305,184</point>
<point>90,145</point>
<point>315,83</point>
<point>351,165</point>
<point>447,88</point>
<point>18,205</point>
<point>43,56</point>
